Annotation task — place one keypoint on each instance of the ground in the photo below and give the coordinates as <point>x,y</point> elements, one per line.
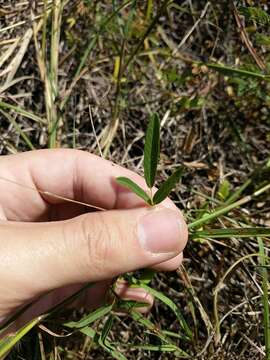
<point>203,67</point>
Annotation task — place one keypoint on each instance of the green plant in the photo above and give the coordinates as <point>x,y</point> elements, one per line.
<point>151,157</point>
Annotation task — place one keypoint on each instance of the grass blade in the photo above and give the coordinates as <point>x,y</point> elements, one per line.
<point>266,314</point>
<point>167,302</point>
<point>146,323</point>
<point>235,232</point>
<point>90,318</point>
<point>22,112</point>
<point>160,348</point>
<point>114,353</point>
<point>8,342</point>
<point>226,70</point>
<point>225,210</point>
<point>167,186</point>
<point>19,130</point>
<point>131,185</point>
<point>105,332</point>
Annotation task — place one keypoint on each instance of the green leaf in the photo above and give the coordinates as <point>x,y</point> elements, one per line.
<point>159,295</point>
<point>90,318</point>
<point>19,130</point>
<point>224,190</point>
<point>105,332</point>
<point>230,71</point>
<point>256,14</point>
<point>8,342</point>
<point>151,150</point>
<point>167,186</point>
<point>131,185</point>
<point>127,305</point>
<point>160,348</point>
<point>114,353</point>
<point>22,112</point>
<point>235,232</point>
<point>147,276</point>
<point>265,298</point>
<point>163,298</point>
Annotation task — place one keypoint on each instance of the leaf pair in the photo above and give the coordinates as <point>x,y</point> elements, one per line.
<point>151,157</point>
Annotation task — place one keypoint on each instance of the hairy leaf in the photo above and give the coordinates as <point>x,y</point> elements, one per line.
<point>131,185</point>
<point>151,150</point>
<point>167,186</point>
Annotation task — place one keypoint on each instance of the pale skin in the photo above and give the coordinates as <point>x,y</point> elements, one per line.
<point>51,247</point>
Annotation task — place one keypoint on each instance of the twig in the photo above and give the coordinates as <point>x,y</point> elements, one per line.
<point>185,38</point>
<point>246,40</point>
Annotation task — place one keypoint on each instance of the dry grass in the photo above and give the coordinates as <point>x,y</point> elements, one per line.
<point>67,72</point>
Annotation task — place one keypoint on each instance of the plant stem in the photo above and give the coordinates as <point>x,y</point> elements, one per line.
<point>266,319</point>
<point>226,209</point>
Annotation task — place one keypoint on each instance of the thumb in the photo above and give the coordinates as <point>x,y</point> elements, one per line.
<point>38,257</point>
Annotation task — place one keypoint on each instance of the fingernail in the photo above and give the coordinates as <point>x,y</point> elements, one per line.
<point>160,231</point>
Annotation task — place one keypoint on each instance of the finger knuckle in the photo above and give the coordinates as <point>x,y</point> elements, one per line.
<point>97,236</point>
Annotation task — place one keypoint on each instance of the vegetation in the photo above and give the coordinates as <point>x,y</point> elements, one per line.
<point>90,75</point>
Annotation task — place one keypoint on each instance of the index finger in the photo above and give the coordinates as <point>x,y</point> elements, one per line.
<point>76,175</point>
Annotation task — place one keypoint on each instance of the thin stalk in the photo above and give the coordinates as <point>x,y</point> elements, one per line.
<point>219,287</point>
<point>87,52</point>
<point>234,232</point>
<point>53,79</point>
<point>151,196</point>
<point>7,343</point>
<point>19,130</point>
<point>265,298</point>
<point>223,210</point>
<point>145,35</point>
<point>238,192</point>
<point>43,44</point>
<point>94,40</point>
<point>115,115</point>
<point>149,9</point>
<point>22,112</point>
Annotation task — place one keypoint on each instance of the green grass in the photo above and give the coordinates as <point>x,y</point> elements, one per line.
<point>124,60</point>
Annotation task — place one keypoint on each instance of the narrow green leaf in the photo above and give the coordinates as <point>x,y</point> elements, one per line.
<point>90,318</point>
<point>146,323</point>
<point>8,342</point>
<point>19,130</point>
<point>151,150</point>
<point>114,353</point>
<point>265,298</point>
<point>105,332</point>
<point>226,70</point>
<point>128,305</point>
<point>131,185</point>
<point>167,186</point>
<point>224,190</point>
<point>22,112</point>
<point>163,298</point>
<point>160,348</point>
<point>234,232</point>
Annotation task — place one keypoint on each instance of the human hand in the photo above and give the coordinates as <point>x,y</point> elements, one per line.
<point>51,245</point>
